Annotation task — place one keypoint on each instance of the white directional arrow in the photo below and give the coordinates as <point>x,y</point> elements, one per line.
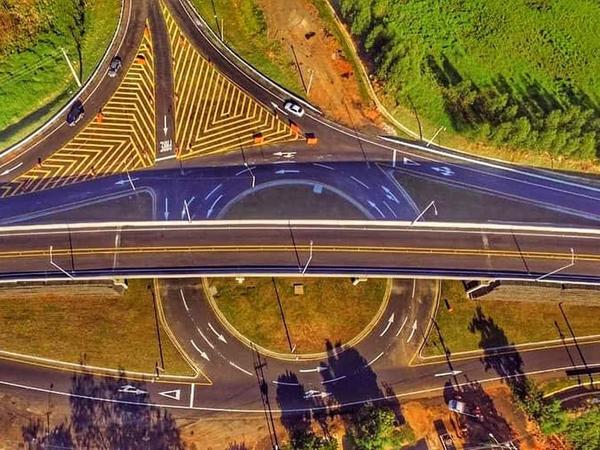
<point>445,374</point>
<point>166,208</point>
<point>412,332</point>
<point>219,335</point>
<point>175,394</point>
<point>409,162</point>
<point>203,354</point>
<point>284,171</point>
<point>311,393</point>
<point>444,171</point>
<point>389,324</point>
<point>212,207</point>
<point>129,389</point>
<point>285,154</point>
<point>316,369</point>
<point>390,195</point>
<point>165,129</point>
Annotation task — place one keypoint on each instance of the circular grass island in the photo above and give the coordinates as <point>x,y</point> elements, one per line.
<point>273,314</point>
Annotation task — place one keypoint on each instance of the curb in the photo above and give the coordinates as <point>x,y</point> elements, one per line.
<point>289,356</point>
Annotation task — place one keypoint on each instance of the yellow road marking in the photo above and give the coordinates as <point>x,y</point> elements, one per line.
<point>125,140</point>
<point>289,248</point>
<point>213,114</point>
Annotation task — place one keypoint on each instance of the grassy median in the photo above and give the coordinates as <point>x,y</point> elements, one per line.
<point>35,81</point>
<point>473,324</point>
<point>245,30</point>
<point>330,309</point>
<point>99,325</point>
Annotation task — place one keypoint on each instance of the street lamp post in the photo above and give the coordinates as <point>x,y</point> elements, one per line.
<point>434,136</point>
<point>309,258</point>
<point>432,204</point>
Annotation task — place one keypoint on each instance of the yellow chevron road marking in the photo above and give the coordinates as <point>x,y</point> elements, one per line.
<point>213,114</point>
<point>124,140</point>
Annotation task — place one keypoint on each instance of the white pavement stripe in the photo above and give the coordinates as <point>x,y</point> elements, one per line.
<point>239,368</point>
<point>402,326</point>
<point>210,344</point>
<point>284,383</point>
<point>192,389</point>
<point>333,380</point>
<point>185,305</point>
<point>203,354</point>
<point>374,360</point>
<point>359,182</point>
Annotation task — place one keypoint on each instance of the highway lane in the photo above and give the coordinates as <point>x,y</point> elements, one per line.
<point>284,247</point>
<point>94,96</point>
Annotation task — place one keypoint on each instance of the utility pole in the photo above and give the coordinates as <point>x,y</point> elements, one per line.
<point>309,258</point>
<point>71,67</point>
<point>434,136</point>
<point>432,204</point>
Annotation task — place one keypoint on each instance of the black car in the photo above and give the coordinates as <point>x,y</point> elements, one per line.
<point>115,66</point>
<point>76,113</point>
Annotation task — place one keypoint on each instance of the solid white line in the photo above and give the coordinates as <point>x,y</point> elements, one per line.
<point>185,305</point>
<point>210,344</point>
<point>374,359</point>
<point>213,191</point>
<point>359,182</point>
<point>333,380</point>
<point>384,225</point>
<point>192,388</point>
<point>324,166</point>
<point>239,368</point>
<point>402,326</point>
<point>285,383</point>
<point>7,171</point>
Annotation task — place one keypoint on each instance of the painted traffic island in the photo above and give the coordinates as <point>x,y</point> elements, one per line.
<point>296,317</point>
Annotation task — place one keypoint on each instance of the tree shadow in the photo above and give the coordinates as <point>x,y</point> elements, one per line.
<point>103,415</point>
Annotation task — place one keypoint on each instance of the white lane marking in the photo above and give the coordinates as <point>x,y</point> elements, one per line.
<point>390,209</point>
<point>210,344</point>
<point>175,394</point>
<point>414,287</point>
<point>359,182</point>
<point>324,166</point>
<point>203,354</point>
<point>285,383</point>
<point>374,360</point>
<point>412,332</point>
<point>219,335</point>
<point>185,305</point>
<point>374,206</point>
<point>333,380</point>
<point>212,207</point>
<point>317,369</point>
<point>402,326</point>
<point>239,368</point>
<point>389,324</point>
<point>213,191</point>
<point>7,171</point>
<point>284,171</point>
<point>185,209</point>
<point>192,389</point>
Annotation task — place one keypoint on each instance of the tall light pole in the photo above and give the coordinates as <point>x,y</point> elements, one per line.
<point>571,264</point>
<point>71,67</point>
<point>309,258</point>
<point>251,174</point>
<point>432,204</point>
<point>440,129</point>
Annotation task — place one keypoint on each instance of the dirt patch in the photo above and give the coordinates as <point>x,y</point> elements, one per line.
<point>319,55</point>
<point>431,417</point>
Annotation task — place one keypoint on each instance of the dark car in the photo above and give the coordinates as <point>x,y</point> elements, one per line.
<point>76,113</point>
<point>115,66</point>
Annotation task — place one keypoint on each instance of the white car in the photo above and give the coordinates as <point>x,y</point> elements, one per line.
<point>294,108</point>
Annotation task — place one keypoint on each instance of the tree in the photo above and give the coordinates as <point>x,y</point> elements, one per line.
<point>306,439</point>
<point>374,428</point>
<point>584,432</point>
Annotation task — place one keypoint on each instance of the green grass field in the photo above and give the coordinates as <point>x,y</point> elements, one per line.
<point>490,323</point>
<point>112,331</point>
<point>35,80</point>
<point>245,31</point>
<point>523,76</point>
<point>330,309</point>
